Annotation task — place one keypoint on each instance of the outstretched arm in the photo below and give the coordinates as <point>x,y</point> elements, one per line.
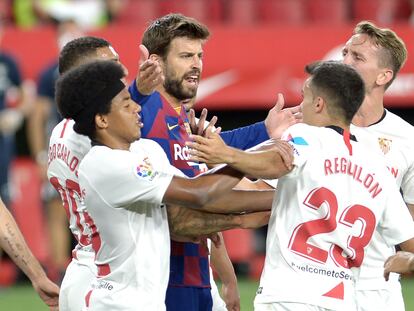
<point>12,241</point>
<point>274,162</point>
<point>201,190</point>
<point>193,223</point>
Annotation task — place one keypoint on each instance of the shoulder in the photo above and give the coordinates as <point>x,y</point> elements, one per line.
<point>303,134</point>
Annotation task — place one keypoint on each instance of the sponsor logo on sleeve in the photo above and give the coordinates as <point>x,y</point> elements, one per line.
<point>145,170</point>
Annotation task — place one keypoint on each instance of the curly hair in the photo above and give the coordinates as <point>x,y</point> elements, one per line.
<point>88,90</point>
<point>340,84</point>
<point>76,51</point>
<point>159,34</point>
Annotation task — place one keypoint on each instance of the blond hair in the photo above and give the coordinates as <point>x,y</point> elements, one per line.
<point>394,52</point>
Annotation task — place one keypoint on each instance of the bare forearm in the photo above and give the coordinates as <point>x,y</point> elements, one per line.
<point>221,263</point>
<point>12,241</point>
<point>242,200</point>
<point>188,222</point>
<point>261,164</point>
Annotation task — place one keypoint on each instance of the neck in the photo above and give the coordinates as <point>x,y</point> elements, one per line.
<point>371,110</point>
<point>112,143</point>
<point>174,102</point>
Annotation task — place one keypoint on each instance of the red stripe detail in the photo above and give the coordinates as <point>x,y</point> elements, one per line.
<point>88,298</point>
<point>74,254</point>
<point>347,141</point>
<point>64,128</point>
<point>192,274</point>
<point>337,292</point>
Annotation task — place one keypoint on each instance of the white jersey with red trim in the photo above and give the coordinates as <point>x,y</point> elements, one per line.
<point>323,217</point>
<point>66,150</point>
<point>123,191</point>
<point>391,138</point>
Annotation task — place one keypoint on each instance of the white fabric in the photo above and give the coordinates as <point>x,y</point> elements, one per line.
<point>381,299</point>
<point>392,139</point>
<point>66,150</point>
<point>287,306</point>
<point>78,277</point>
<point>330,201</point>
<point>123,191</point>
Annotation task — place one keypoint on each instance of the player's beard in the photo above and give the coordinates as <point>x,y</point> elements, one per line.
<point>174,86</point>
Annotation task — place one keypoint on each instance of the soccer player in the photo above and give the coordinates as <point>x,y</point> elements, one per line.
<point>12,241</point>
<point>176,43</point>
<point>378,55</point>
<point>326,209</point>
<point>67,148</point>
<point>124,183</point>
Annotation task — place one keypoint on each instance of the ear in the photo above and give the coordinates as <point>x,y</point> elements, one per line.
<point>101,121</point>
<point>319,104</point>
<point>384,77</point>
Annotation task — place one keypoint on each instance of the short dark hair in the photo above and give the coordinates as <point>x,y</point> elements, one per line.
<point>340,85</point>
<point>82,93</point>
<point>159,34</point>
<point>75,51</point>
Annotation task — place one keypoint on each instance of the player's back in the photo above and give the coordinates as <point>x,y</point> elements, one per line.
<point>324,215</point>
<point>66,151</point>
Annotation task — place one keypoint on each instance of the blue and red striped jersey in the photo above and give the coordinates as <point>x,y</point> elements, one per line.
<point>189,266</point>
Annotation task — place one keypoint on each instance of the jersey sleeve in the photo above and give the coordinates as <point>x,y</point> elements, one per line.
<point>300,138</point>
<point>246,137</point>
<point>136,95</point>
<point>122,178</point>
<point>407,184</point>
<point>396,224</point>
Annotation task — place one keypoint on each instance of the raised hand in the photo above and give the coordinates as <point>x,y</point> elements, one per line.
<point>199,127</point>
<point>279,119</point>
<point>150,73</point>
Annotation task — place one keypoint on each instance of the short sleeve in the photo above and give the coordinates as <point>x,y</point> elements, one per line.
<point>407,184</point>
<point>122,178</point>
<point>300,138</point>
<point>396,224</point>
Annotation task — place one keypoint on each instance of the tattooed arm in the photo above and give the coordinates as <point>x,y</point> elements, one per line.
<point>189,222</point>
<point>12,241</point>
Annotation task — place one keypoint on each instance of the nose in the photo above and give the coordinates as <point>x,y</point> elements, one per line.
<point>197,62</point>
<point>137,108</point>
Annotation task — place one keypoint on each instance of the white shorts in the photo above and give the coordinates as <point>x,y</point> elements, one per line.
<point>78,277</point>
<point>121,297</point>
<point>381,299</point>
<point>287,306</point>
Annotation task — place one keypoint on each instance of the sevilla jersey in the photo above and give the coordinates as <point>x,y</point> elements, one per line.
<point>123,191</point>
<point>391,138</point>
<point>66,150</point>
<point>324,215</point>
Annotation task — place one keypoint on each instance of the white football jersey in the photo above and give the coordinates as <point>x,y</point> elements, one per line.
<point>123,191</point>
<point>391,138</point>
<point>323,217</point>
<point>66,150</point>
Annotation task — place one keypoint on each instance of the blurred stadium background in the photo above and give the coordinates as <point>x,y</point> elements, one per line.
<point>257,49</point>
